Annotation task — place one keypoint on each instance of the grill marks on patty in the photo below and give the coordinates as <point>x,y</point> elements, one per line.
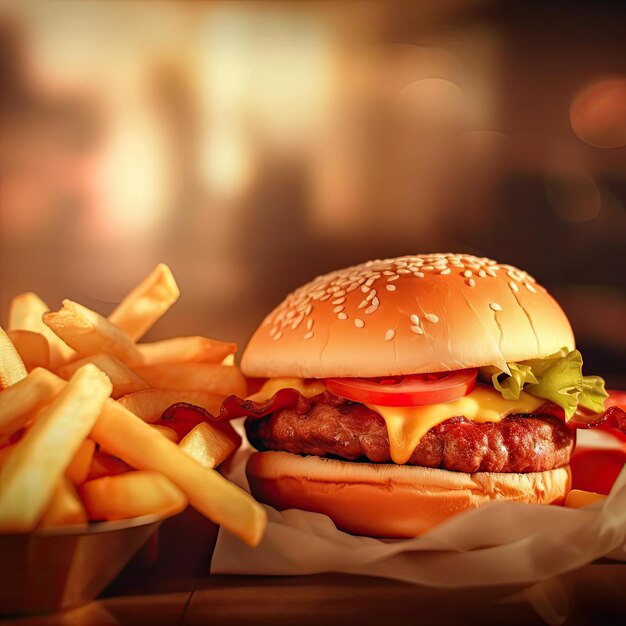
<point>352,431</point>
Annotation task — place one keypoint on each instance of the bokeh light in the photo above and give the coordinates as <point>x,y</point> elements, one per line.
<point>254,145</point>
<point>598,113</point>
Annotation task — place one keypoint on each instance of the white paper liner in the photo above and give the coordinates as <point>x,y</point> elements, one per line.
<point>502,543</point>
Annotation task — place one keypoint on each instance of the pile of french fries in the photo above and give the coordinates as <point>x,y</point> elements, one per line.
<point>82,436</point>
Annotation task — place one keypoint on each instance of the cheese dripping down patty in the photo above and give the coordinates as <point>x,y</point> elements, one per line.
<point>407,425</point>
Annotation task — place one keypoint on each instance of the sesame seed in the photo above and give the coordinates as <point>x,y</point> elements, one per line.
<point>277,336</point>
<point>418,330</point>
<point>336,285</point>
<point>415,319</point>
<point>390,334</point>
<point>309,324</point>
<point>309,335</point>
<point>431,317</point>
<point>494,306</point>
<point>359,323</point>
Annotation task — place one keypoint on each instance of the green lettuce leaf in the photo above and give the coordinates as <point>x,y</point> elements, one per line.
<point>593,394</point>
<point>560,381</point>
<point>557,378</point>
<point>511,386</point>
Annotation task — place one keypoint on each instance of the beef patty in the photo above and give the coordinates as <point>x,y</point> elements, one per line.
<point>352,431</point>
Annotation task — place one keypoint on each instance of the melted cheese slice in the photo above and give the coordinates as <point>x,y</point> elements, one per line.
<point>407,425</point>
<point>307,388</point>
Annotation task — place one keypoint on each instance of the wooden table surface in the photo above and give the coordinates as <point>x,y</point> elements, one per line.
<point>592,595</point>
<point>168,583</point>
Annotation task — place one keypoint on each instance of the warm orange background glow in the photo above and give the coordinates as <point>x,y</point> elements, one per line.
<point>252,146</point>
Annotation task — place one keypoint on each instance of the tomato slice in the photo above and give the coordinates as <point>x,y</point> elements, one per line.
<point>412,390</point>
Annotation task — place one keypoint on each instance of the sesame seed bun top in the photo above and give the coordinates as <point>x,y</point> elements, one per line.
<point>412,314</point>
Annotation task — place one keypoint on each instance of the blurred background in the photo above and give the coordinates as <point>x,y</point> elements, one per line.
<point>253,146</point>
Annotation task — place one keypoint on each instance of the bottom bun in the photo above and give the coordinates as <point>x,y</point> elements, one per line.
<point>389,500</point>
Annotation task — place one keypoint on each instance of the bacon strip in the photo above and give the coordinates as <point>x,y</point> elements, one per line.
<point>233,407</point>
<point>611,420</point>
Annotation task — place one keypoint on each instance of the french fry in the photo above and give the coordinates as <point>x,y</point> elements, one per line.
<point>214,378</point>
<point>89,333</point>
<point>26,313</point>
<point>132,495</point>
<point>103,464</point>
<point>185,350</point>
<point>32,347</point>
<point>30,475</point>
<point>123,434</point>
<point>211,444</point>
<point>12,368</point>
<point>78,469</point>
<point>168,433</point>
<point>578,498</point>
<point>146,303</point>
<point>4,453</point>
<point>150,403</point>
<point>65,508</point>
<point>21,400</point>
<point>123,379</point>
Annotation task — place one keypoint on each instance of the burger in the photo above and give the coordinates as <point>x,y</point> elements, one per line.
<point>399,392</point>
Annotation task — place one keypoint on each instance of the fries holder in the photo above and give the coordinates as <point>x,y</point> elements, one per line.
<point>57,569</point>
